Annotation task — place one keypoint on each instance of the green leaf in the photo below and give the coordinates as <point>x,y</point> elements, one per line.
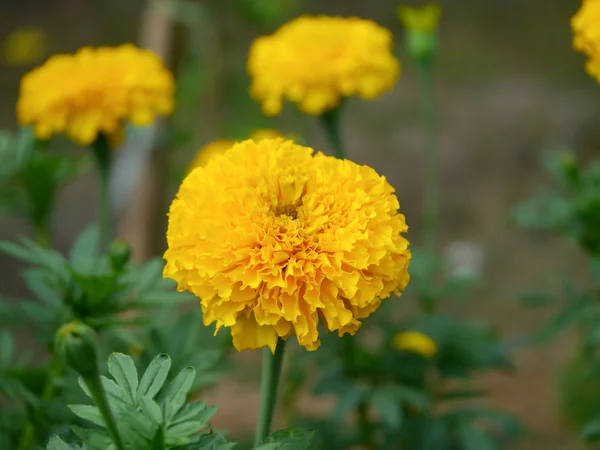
<point>411,396</point>
<point>350,399</point>
<point>386,403</point>
<point>84,253</point>
<point>154,376</point>
<point>212,441</point>
<point>473,438</point>
<point>95,439</point>
<point>18,252</point>
<point>176,392</point>
<point>123,370</point>
<point>150,274</point>
<point>151,409</point>
<point>88,412</point>
<point>591,431</point>
<point>288,439</point>
<point>56,443</point>
<point>194,411</point>
<point>37,283</point>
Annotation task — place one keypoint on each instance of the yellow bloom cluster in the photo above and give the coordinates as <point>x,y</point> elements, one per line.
<point>275,241</point>
<point>416,342</point>
<point>586,29</point>
<point>209,151</point>
<point>315,61</point>
<point>94,91</point>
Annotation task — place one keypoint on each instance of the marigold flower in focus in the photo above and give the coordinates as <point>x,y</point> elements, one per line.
<point>94,91</point>
<point>209,151</point>
<point>316,61</point>
<point>586,39</point>
<point>275,241</point>
<point>415,342</point>
<point>23,46</point>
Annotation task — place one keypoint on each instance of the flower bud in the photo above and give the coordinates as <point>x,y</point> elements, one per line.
<point>569,165</point>
<point>415,342</point>
<point>119,253</point>
<point>75,344</point>
<point>421,30</point>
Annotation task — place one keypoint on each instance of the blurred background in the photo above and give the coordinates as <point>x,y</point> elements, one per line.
<point>509,88</point>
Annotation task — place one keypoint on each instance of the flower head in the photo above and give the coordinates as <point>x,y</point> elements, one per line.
<point>415,342</point>
<point>315,61</point>
<point>424,19</point>
<point>23,46</point>
<point>586,39</point>
<point>94,91</point>
<point>209,151</point>
<point>275,241</point>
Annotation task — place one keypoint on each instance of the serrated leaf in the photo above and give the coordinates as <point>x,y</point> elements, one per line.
<point>387,405</point>
<point>88,412</point>
<point>154,377</point>
<point>84,253</point>
<point>123,370</point>
<point>176,392</point>
<point>288,439</point>
<point>212,441</point>
<point>56,443</point>
<point>95,439</point>
<point>151,409</point>
<point>194,411</point>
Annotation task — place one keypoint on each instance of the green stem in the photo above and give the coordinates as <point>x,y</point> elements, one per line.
<point>28,435</point>
<point>271,371</point>
<point>430,203</point>
<point>97,391</point>
<point>365,425</point>
<point>331,124</point>
<point>102,153</point>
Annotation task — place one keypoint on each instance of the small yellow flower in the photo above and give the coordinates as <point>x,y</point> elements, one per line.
<point>586,39</point>
<point>416,342</point>
<point>94,91</point>
<point>316,61</point>
<point>209,151</point>
<point>424,19</point>
<point>23,46</point>
<point>275,241</point>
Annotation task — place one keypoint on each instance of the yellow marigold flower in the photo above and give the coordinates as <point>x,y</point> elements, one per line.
<point>209,151</point>
<point>416,342</point>
<point>94,91</point>
<point>23,46</point>
<point>424,19</point>
<point>315,61</point>
<point>586,29</point>
<point>275,241</point>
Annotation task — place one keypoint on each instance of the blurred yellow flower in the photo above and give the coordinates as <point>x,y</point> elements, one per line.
<point>23,46</point>
<point>586,39</point>
<point>206,153</point>
<point>275,241</point>
<point>94,91</point>
<point>315,61</point>
<point>415,342</point>
<point>424,19</point>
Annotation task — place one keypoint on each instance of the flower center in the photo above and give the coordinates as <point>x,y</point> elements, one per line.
<point>286,210</point>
